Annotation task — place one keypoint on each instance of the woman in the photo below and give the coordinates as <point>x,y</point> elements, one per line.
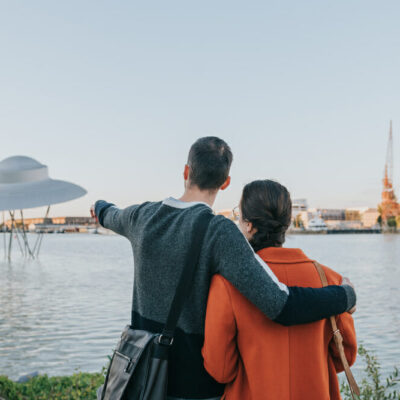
<point>257,358</point>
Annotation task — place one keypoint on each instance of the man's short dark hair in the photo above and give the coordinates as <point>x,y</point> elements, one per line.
<point>209,161</point>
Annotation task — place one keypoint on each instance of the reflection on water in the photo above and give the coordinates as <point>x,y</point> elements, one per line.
<point>373,264</point>
<point>66,311</point>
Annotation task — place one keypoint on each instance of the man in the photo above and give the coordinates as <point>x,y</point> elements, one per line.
<point>160,234</point>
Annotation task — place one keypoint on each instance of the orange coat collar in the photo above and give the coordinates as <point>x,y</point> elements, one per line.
<point>282,255</point>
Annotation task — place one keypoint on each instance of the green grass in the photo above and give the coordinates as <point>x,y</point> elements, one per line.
<point>78,386</point>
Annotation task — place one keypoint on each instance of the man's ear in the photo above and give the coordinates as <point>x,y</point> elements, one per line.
<point>186,172</point>
<point>251,229</point>
<point>226,183</point>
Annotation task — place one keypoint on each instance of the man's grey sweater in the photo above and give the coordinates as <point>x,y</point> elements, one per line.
<point>160,233</point>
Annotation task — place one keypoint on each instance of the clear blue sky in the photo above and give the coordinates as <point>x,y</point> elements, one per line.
<point>111,95</point>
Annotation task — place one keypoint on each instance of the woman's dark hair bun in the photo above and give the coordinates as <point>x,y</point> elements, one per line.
<point>267,205</point>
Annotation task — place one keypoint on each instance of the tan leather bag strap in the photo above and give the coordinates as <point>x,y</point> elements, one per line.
<point>337,336</point>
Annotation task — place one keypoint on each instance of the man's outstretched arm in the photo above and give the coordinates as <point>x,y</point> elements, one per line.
<point>236,261</point>
<point>113,218</point>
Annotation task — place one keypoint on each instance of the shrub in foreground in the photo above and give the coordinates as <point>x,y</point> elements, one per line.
<point>371,385</point>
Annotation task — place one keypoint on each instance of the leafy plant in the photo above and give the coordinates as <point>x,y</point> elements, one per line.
<point>371,386</point>
<point>391,222</point>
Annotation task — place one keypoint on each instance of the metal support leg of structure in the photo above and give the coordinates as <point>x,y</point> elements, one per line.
<point>24,247</point>
<point>14,224</point>
<point>39,239</point>
<point>27,247</point>
<point>4,236</point>
<point>10,242</point>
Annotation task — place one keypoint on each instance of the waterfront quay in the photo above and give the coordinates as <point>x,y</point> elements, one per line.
<point>294,231</point>
<point>53,225</point>
<point>306,220</point>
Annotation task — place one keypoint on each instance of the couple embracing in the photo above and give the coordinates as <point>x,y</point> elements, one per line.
<point>253,326</point>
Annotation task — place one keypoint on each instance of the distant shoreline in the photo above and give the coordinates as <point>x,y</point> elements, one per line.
<point>340,231</point>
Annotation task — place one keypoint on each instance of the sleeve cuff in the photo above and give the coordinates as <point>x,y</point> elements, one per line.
<point>351,296</point>
<point>99,207</point>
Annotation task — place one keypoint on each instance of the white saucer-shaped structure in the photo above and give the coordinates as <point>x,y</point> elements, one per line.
<point>25,183</point>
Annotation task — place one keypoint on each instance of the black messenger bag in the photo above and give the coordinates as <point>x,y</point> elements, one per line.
<point>139,366</point>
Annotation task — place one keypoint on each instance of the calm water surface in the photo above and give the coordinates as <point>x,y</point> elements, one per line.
<point>65,311</point>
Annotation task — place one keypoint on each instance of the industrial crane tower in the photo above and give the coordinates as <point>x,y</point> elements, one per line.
<point>389,207</point>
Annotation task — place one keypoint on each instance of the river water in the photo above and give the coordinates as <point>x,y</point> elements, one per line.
<point>65,312</point>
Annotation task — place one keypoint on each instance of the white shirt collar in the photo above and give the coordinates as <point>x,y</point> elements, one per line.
<point>172,202</point>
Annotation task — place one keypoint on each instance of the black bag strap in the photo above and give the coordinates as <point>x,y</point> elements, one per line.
<point>186,279</point>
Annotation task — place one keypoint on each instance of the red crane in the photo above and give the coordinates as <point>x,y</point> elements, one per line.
<point>389,208</point>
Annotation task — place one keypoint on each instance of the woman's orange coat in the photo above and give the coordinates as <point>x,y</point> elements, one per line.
<point>259,359</point>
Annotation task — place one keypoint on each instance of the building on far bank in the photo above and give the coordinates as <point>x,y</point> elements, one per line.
<point>31,223</point>
<point>370,218</point>
<point>227,213</point>
<point>299,206</point>
<point>335,218</point>
<point>332,214</point>
<point>27,222</point>
<point>79,220</point>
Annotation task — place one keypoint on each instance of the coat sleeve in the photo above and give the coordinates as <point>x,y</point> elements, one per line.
<point>345,324</point>
<point>220,352</point>
<point>113,218</point>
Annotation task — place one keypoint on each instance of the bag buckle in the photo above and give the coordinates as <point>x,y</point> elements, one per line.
<point>130,361</point>
<point>164,340</point>
<point>128,367</point>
